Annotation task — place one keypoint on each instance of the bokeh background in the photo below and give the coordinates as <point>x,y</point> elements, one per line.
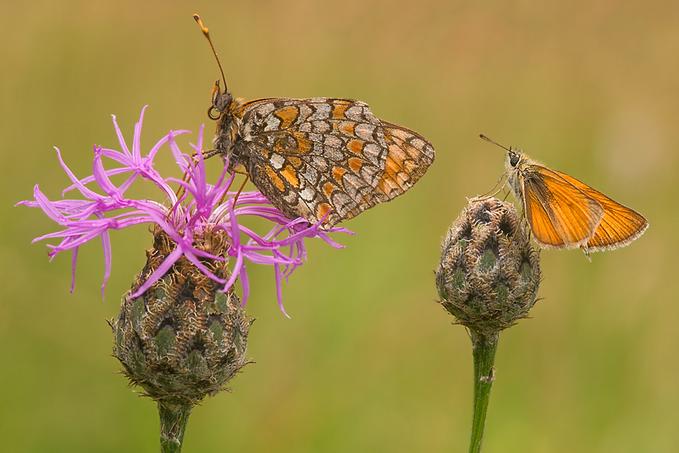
<point>368,362</point>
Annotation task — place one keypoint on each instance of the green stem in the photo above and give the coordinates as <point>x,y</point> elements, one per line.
<point>484,347</point>
<point>173,420</point>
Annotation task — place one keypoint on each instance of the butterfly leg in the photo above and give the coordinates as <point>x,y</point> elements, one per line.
<point>194,157</point>
<point>210,153</point>
<point>235,199</point>
<point>587,253</point>
<point>226,192</point>
<point>242,186</point>
<point>496,188</point>
<point>524,219</point>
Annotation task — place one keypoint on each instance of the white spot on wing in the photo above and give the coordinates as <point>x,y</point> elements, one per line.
<point>364,131</point>
<point>307,194</point>
<point>354,113</point>
<point>322,112</point>
<point>333,141</point>
<point>277,161</point>
<point>272,123</point>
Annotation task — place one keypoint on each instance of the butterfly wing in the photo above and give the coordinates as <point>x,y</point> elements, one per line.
<point>560,214</point>
<point>619,225</point>
<point>331,159</point>
<point>408,157</point>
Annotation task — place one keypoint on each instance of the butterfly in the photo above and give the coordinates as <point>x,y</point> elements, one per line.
<point>564,212</point>
<point>323,159</point>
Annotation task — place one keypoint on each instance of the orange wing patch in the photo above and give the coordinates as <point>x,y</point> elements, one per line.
<point>348,128</point>
<point>571,213</point>
<point>619,225</point>
<point>295,161</point>
<point>409,155</point>
<point>540,223</point>
<point>393,177</point>
<point>322,210</point>
<point>274,178</point>
<point>304,145</point>
<point>328,189</point>
<point>339,109</point>
<point>290,175</point>
<point>287,115</point>
<point>338,173</point>
<point>356,146</point>
<point>355,163</point>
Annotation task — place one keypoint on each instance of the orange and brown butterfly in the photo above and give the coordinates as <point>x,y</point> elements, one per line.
<point>566,213</point>
<point>323,159</point>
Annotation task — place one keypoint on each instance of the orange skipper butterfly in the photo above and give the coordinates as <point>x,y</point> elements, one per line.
<point>564,212</point>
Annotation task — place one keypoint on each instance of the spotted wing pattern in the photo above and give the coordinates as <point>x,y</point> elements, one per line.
<point>323,158</point>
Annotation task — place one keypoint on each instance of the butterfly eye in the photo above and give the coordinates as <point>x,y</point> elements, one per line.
<point>220,104</point>
<point>513,158</point>
<point>222,101</point>
<point>213,113</point>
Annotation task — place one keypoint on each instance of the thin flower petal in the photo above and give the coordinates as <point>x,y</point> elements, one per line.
<point>106,245</point>
<point>165,266</point>
<point>203,208</point>
<point>101,177</point>
<point>196,262</point>
<point>136,140</point>
<point>234,272</point>
<point>245,284</point>
<point>76,182</point>
<point>159,144</point>
<point>74,261</point>
<point>279,290</point>
<point>47,206</point>
<point>121,139</point>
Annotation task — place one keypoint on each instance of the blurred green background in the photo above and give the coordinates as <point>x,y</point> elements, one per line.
<point>369,362</point>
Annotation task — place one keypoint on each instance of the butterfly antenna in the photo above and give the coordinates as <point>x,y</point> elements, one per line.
<point>494,142</point>
<point>206,33</point>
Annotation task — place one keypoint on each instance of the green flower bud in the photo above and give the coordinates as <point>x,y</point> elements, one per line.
<point>182,339</point>
<point>489,272</point>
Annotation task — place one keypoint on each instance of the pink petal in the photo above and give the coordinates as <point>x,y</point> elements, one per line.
<point>279,291</point>
<point>47,206</point>
<point>234,272</point>
<point>136,141</point>
<point>245,285</point>
<point>121,139</point>
<point>106,244</point>
<point>74,261</point>
<point>101,177</point>
<point>158,273</point>
<point>163,141</point>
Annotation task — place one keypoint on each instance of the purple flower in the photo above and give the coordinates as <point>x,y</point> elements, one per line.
<point>200,208</point>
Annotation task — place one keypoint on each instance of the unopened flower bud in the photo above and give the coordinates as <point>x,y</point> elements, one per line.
<point>489,272</point>
<point>183,338</point>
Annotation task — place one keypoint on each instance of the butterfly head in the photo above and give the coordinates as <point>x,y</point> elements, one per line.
<point>221,101</point>
<point>514,157</point>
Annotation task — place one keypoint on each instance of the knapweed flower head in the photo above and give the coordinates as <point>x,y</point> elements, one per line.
<point>185,216</point>
<point>489,272</point>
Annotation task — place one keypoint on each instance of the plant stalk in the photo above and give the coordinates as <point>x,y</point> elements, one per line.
<point>173,420</point>
<point>483,350</point>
